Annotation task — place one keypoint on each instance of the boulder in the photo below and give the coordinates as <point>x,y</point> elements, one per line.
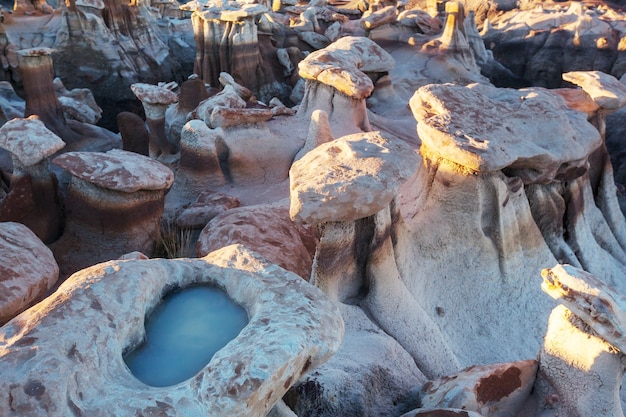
<point>497,390</point>
<point>100,312</point>
<point>265,229</point>
<point>208,205</point>
<point>355,176</point>
<point>124,191</point>
<point>27,272</point>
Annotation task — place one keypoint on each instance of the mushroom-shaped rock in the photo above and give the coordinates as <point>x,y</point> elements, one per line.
<point>583,346</point>
<point>349,178</point>
<point>117,170</point>
<point>267,230</point>
<point>58,357</point>
<point>33,198</point>
<point>607,91</point>
<point>28,270</point>
<point>531,133</point>
<point>498,390</point>
<point>203,162</point>
<point>345,63</point>
<point>114,205</point>
<point>454,40</point>
<point>155,100</point>
<point>29,142</point>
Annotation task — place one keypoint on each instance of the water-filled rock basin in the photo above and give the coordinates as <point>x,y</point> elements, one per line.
<point>183,333</point>
<point>65,355</point>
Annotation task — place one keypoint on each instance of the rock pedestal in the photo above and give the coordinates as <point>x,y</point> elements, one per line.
<point>37,72</point>
<point>339,79</point>
<point>33,198</point>
<point>227,41</point>
<point>114,206</point>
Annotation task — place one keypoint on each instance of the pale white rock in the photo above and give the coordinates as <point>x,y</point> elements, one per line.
<point>227,79</point>
<point>78,104</point>
<point>28,140</point>
<point>380,17</point>
<point>531,132</point>
<point>228,97</point>
<point>117,170</point>
<point>319,132</point>
<point>498,390</point>
<point>100,312</point>
<point>349,178</point>
<point>607,91</point>
<point>313,39</point>
<point>154,98</point>
<point>580,373</point>
<point>225,117</point>
<point>28,269</point>
<point>343,65</point>
<point>371,374</point>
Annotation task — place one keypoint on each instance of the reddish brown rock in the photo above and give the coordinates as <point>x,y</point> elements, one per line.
<point>27,271</point>
<point>114,206</point>
<point>265,229</point>
<point>208,205</point>
<point>134,133</point>
<point>36,70</point>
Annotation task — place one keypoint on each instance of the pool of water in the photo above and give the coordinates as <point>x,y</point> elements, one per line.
<point>183,333</point>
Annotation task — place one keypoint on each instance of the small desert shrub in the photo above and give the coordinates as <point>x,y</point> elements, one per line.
<point>174,242</point>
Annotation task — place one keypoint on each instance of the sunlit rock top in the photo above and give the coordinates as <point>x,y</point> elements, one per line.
<point>349,178</point>
<point>607,91</point>
<point>229,11</point>
<point>117,170</point>
<point>344,64</point>
<point>532,132</point>
<point>29,140</point>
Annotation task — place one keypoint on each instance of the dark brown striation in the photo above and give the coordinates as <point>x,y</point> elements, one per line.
<point>134,133</point>
<point>37,73</point>
<point>229,42</point>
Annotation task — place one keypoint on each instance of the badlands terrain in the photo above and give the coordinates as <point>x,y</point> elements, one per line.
<point>419,205</point>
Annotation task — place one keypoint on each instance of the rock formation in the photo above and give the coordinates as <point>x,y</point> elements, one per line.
<point>338,81</point>
<point>582,348</point>
<point>423,200</point>
<point>27,272</point>
<point>245,378</point>
<point>227,41</point>
<point>497,390</point>
<point>114,206</point>
<point>33,198</point>
<point>539,44</point>
<point>265,229</point>
<point>155,100</point>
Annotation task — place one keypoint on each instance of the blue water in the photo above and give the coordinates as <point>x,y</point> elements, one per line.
<point>183,333</point>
